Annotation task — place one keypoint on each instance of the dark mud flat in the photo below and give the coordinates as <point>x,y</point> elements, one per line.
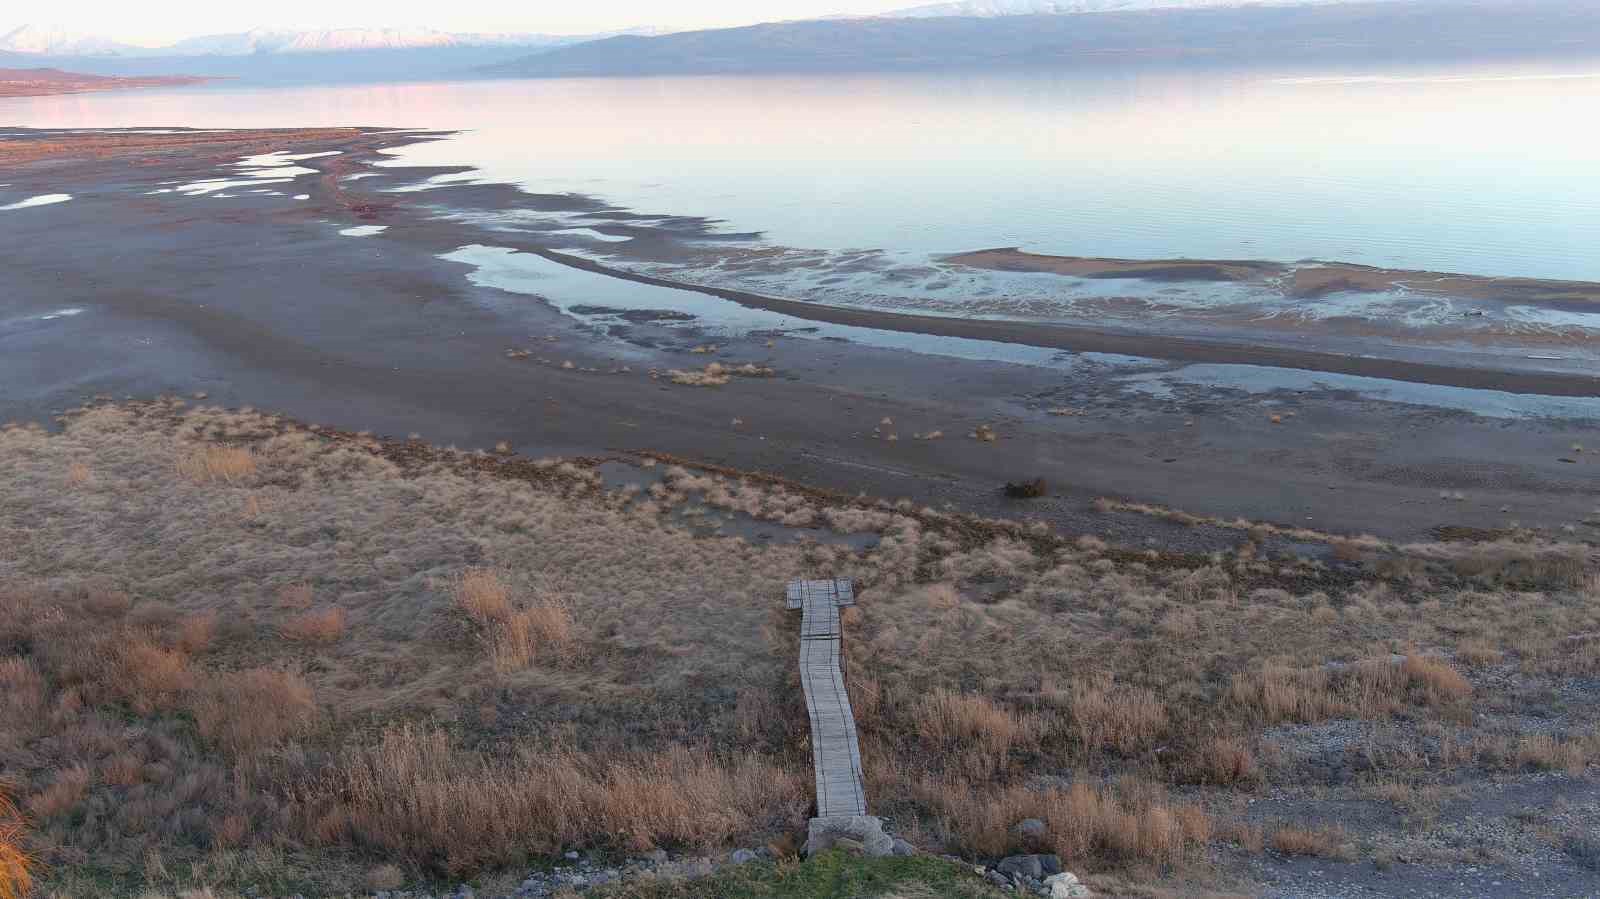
<point>258,300</point>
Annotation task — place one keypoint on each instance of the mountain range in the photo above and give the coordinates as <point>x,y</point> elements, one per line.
<point>55,40</point>
<point>1375,31</point>
<point>51,40</point>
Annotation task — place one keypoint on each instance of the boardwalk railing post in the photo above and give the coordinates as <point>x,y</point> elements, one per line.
<point>835,750</point>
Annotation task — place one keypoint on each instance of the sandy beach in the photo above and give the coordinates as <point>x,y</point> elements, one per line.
<point>136,288</point>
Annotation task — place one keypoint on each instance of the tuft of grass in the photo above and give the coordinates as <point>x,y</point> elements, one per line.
<point>79,475</point>
<point>212,464</point>
<point>16,863</point>
<point>1317,842</point>
<point>482,594</point>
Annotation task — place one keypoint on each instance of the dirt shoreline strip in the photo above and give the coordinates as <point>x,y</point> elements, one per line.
<point>1089,340</point>
<point>1302,280</point>
<point>51,82</point>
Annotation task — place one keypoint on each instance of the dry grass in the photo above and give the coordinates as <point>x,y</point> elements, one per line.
<point>16,863</point>
<point>415,795</point>
<point>316,626</point>
<point>482,595</point>
<point>1320,842</point>
<point>251,711</point>
<point>214,464</point>
<point>576,653</point>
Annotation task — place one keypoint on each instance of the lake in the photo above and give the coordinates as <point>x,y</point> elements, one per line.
<point>1487,170</point>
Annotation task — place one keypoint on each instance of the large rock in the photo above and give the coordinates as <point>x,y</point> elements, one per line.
<point>1022,866</point>
<point>743,856</point>
<point>1031,831</point>
<point>1066,886</point>
<point>902,848</point>
<point>867,830</point>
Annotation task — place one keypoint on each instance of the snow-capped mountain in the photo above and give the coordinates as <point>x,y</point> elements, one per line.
<point>997,8</point>
<point>54,40</point>
<point>51,41</point>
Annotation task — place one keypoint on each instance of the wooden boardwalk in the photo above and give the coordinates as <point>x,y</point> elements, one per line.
<point>835,751</point>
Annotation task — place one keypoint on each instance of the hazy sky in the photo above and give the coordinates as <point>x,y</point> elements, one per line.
<point>162,21</point>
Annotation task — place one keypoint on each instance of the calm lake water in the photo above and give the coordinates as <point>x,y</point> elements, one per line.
<point>1491,170</point>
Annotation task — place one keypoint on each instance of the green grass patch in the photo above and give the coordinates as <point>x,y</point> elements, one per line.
<point>831,875</point>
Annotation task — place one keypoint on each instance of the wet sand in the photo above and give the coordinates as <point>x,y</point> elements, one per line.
<point>258,300</point>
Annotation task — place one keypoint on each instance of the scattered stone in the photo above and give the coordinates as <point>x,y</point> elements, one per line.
<point>743,856</point>
<point>570,856</point>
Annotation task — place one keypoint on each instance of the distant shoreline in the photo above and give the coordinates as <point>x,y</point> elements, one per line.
<point>46,82</point>
<point>1299,280</point>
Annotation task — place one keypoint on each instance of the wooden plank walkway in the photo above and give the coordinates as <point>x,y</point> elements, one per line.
<point>835,751</point>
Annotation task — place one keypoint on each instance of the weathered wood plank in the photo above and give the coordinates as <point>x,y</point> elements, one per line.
<point>835,749</point>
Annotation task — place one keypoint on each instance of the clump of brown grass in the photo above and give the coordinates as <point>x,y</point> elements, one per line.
<point>16,863</point>
<point>1107,715</point>
<point>482,595</point>
<point>146,676</point>
<point>1132,822</point>
<point>516,637</point>
<point>246,712</point>
<point>79,475</point>
<point>1433,676</point>
<point>65,791</point>
<point>1478,654</point>
<point>315,626</point>
<point>716,374</point>
<point>1317,842</point>
<point>195,632</point>
<point>211,464</point>
<point>948,719</point>
<point>22,690</point>
<point>414,794</point>
<point>1224,761</point>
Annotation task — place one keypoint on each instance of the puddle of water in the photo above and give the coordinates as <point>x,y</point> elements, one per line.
<point>60,313</point>
<point>41,200</point>
<point>302,196</point>
<point>1257,379</point>
<point>363,230</point>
